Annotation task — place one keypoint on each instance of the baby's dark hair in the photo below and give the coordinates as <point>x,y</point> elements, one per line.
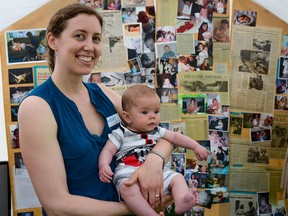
<point>136,91</point>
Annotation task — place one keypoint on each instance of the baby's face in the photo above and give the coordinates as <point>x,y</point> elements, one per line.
<point>218,30</point>
<point>166,81</point>
<point>145,116</point>
<point>150,44</point>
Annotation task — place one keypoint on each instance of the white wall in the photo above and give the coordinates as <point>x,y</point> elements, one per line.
<point>3,142</point>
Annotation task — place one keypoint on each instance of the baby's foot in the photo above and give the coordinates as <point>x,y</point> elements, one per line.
<point>187,202</point>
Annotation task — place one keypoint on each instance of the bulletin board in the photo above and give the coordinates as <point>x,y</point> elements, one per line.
<point>165,15</point>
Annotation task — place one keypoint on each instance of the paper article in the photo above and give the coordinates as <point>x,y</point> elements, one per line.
<point>114,53</point>
<point>254,62</point>
<point>205,81</point>
<point>166,11</point>
<point>249,179</point>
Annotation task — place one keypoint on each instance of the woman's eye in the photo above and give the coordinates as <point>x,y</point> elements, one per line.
<point>96,39</point>
<point>80,37</point>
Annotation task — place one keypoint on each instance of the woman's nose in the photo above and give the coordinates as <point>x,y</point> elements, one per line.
<point>89,45</point>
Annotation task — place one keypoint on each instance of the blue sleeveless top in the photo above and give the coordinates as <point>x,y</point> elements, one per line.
<point>80,148</point>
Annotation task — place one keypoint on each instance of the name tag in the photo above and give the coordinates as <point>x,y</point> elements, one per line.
<point>113,120</point>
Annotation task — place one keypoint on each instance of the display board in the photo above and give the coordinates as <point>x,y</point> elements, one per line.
<point>192,70</point>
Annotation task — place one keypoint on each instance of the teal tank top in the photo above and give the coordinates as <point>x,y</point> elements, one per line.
<point>80,148</point>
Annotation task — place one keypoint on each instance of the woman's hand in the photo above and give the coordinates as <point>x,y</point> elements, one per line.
<point>150,178</point>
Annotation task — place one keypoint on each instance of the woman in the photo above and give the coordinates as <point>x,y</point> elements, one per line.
<point>193,108</point>
<point>204,33</point>
<point>205,64</point>
<point>64,124</point>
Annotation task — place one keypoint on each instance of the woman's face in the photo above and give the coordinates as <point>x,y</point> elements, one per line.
<point>79,45</point>
<point>205,27</point>
<point>204,12</point>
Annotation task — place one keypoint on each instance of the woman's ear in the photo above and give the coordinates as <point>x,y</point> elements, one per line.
<point>51,41</point>
<point>126,117</point>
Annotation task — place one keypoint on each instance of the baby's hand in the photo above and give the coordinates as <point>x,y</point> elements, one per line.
<point>105,174</point>
<point>201,152</point>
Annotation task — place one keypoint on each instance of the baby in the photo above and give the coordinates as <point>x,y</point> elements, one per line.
<point>16,46</point>
<point>219,35</point>
<point>133,141</point>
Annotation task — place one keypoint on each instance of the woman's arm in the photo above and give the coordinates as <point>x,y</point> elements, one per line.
<point>44,162</point>
<point>152,168</point>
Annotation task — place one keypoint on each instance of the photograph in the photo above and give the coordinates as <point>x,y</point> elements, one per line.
<point>245,18</point>
<point>282,86</point>
<point>205,199</point>
<point>220,195</point>
<point>167,95</point>
<point>221,30</point>
<point>192,103</point>
<point>25,46</point>
<point>219,123</point>
<point>17,94</point>
<point>184,64</point>
<point>244,207</point>
<point>284,47</point>
<point>251,120</point>
<point>203,51</point>
<point>25,214</point>
<point>195,180</point>
<point>165,33</point>
<point>220,6</point>
<point>178,162</point>
<point>96,4</point>
<point>111,4</point>
<point>283,67</point>
<point>129,15</point>
<point>218,138</point>
<point>186,26</point>
<point>235,127</point>
<point>166,50</point>
<point>167,81</point>
<point>254,62</point>
<point>14,113</point>
<point>281,103</point>
<point>133,30</point>
<point>264,45</point>
<point>167,66</point>
<point>257,154</point>
<point>219,163</point>
<point>20,76</point>
<point>260,135</point>
<point>14,136</point>
<point>264,207</point>
<point>110,78</point>
<point>25,196</point>
<point>213,104</point>
<point>256,82</point>
<point>279,134</point>
<point>134,65</point>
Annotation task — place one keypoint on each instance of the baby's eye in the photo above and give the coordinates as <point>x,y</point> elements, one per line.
<point>145,112</point>
<point>156,112</point>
